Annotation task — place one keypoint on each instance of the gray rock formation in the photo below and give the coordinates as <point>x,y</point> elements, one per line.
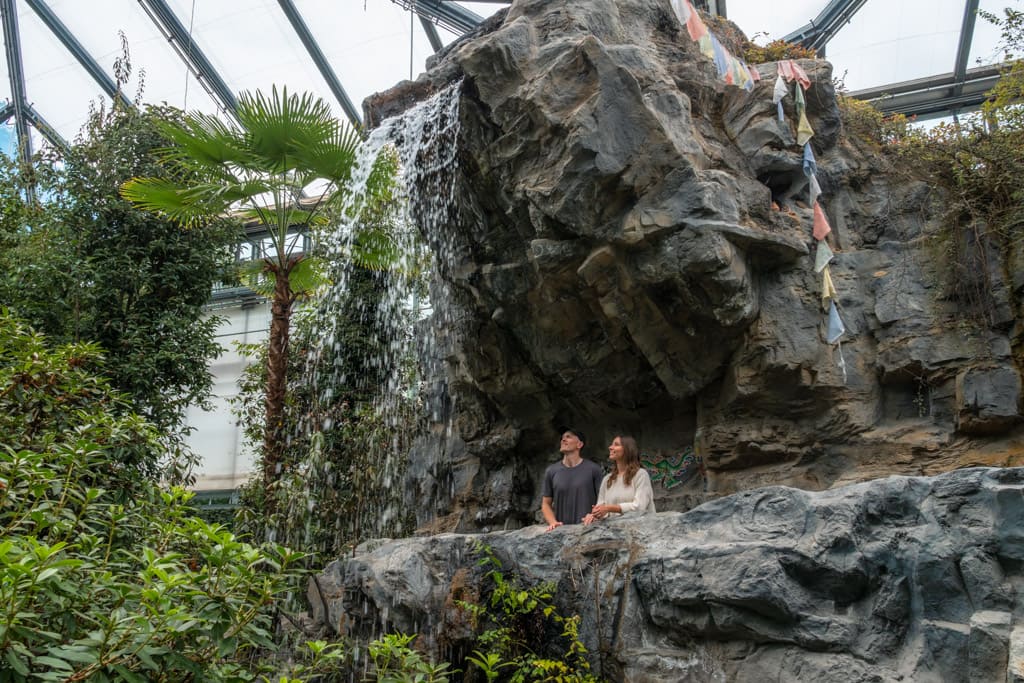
<point>904,578</point>
<point>630,252</point>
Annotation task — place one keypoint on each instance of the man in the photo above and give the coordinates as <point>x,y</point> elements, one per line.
<point>570,486</point>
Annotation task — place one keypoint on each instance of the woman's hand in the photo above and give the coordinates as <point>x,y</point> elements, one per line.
<point>589,518</point>
<point>602,511</point>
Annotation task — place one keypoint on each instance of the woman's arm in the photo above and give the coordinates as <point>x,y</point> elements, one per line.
<point>602,490</point>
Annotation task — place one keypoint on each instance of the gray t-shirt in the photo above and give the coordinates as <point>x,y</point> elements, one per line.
<point>573,490</point>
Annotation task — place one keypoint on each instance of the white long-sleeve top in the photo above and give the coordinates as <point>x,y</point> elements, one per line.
<point>638,497</point>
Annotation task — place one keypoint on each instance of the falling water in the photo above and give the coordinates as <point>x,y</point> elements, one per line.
<point>423,143</point>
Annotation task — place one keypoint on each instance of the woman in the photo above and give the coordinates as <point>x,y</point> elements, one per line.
<point>627,488</point>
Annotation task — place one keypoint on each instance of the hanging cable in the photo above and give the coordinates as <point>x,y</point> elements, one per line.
<point>191,23</point>
<point>412,28</point>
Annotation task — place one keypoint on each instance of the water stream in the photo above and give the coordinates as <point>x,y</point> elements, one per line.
<point>365,390</point>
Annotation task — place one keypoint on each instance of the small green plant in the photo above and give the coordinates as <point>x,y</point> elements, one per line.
<point>516,621</point>
<point>395,662</point>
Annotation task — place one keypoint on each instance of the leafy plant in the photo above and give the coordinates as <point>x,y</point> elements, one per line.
<point>517,621</point>
<point>866,124</point>
<point>776,50</point>
<point>395,662</point>
<point>104,576</point>
<point>82,265</point>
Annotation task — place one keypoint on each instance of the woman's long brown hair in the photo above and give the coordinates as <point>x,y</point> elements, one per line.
<point>631,458</point>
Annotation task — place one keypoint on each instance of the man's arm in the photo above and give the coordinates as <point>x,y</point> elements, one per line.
<point>548,512</point>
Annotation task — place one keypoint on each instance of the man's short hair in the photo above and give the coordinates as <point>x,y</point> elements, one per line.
<point>575,432</point>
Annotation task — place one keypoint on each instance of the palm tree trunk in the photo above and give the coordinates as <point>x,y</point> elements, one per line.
<point>277,383</point>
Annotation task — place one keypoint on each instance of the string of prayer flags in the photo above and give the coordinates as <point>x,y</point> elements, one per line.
<point>689,18</point>
<point>823,256</point>
<point>810,165</point>
<point>732,70</point>
<point>828,289</point>
<point>789,71</point>
<point>821,226</point>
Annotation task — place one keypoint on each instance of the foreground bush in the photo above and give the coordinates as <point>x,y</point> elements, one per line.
<point>103,575</point>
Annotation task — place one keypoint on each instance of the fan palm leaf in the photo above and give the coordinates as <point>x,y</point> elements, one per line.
<point>279,127</point>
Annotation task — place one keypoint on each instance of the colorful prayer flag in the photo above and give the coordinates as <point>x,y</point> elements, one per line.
<point>821,226</point>
<point>810,165</point>
<point>828,289</point>
<point>804,132</point>
<point>814,189</point>
<point>792,71</point>
<point>836,328</point>
<point>822,256</point>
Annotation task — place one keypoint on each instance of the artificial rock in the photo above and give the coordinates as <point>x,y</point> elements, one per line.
<point>903,578</point>
<point>630,251</point>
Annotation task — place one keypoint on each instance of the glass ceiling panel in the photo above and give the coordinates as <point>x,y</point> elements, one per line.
<point>56,85</point>
<point>765,21</point>
<point>252,46</point>
<point>889,42</point>
<point>163,77</point>
<point>368,44</point>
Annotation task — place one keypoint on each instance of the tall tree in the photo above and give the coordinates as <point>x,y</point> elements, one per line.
<point>84,265</point>
<point>286,166</point>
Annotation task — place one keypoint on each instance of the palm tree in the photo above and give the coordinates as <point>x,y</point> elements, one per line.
<point>286,166</point>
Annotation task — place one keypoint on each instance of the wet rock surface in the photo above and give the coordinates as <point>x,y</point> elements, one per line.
<point>903,578</point>
<point>631,252</point>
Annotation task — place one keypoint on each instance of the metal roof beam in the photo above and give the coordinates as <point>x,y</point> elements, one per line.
<point>963,50</point>
<point>826,25</point>
<point>7,112</point>
<point>934,96</point>
<point>432,34</point>
<point>16,73</point>
<point>313,48</point>
<point>165,19</point>
<point>75,48</point>
<point>48,131</point>
<point>447,15</point>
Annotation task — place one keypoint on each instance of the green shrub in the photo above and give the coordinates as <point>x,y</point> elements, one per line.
<point>516,620</point>
<point>103,575</point>
<point>395,662</point>
<point>866,124</point>
<point>775,51</point>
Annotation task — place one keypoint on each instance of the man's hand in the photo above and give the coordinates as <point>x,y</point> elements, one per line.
<point>553,525</point>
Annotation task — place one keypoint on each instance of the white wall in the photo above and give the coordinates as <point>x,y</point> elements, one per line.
<point>217,439</point>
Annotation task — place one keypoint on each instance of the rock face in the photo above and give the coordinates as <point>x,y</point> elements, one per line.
<point>630,252</point>
<point>904,578</point>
